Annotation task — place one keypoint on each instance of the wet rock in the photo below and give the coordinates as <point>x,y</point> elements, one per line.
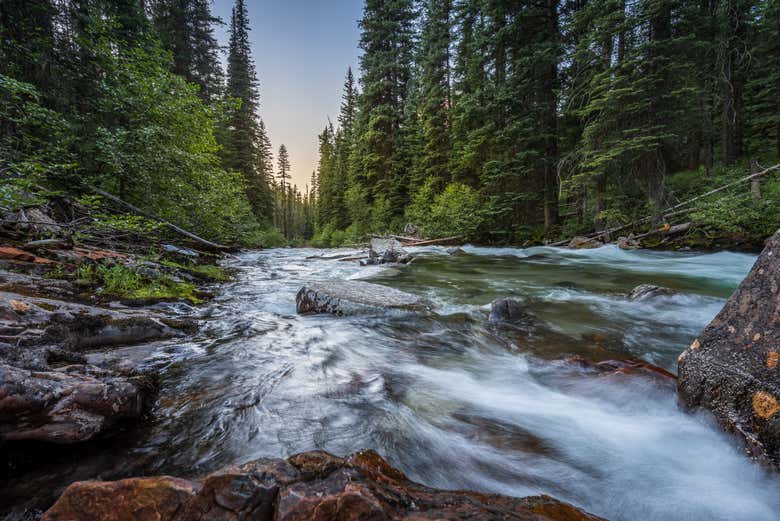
<point>387,250</point>
<point>628,243</point>
<point>70,405</point>
<point>584,243</point>
<point>308,486</point>
<point>455,250</point>
<point>732,367</point>
<point>647,291</point>
<point>630,367</point>
<point>35,286</point>
<point>76,326</point>
<point>136,499</point>
<point>508,310</point>
<point>346,297</point>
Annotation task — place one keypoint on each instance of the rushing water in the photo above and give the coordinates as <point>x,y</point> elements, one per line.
<point>450,399</point>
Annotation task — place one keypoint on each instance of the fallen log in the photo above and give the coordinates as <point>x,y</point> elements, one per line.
<point>431,242</point>
<point>347,259</point>
<point>212,246</point>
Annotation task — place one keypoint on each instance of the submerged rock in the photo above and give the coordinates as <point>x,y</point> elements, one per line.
<point>387,250</point>
<point>645,291</point>
<point>584,243</point>
<point>309,486</point>
<point>733,367</point>
<point>508,310</point>
<point>69,405</point>
<point>346,297</point>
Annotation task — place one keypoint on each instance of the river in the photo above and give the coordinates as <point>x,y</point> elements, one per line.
<point>448,398</point>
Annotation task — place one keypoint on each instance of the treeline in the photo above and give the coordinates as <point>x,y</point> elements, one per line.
<point>130,96</point>
<point>520,121</point>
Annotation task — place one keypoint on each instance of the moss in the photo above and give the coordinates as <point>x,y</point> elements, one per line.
<point>207,271</point>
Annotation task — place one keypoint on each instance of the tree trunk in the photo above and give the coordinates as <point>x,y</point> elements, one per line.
<point>755,183</point>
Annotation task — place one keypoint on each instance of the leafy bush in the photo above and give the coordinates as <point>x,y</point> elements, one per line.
<point>456,211</point>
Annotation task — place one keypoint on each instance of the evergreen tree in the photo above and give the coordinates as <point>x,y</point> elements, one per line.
<point>186,28</point>
<point>242,134</point>
<point>435,92</point>
<point>387,42</point>
<point>283,174</point>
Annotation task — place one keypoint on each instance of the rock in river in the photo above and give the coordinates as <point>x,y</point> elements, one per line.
<point>644,291</point>
<point>733,367</point>
<point>507,310</point>
<point>347,297</point>
<point>387,250</point>
<point>309,486</point>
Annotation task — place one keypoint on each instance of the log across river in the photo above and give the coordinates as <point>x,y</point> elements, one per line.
<point>446,396</point>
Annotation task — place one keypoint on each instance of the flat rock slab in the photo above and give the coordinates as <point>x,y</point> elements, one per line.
<point>347,297</point>
<point>306,487</point>
<point>41,321</point>
<point>733,367</point>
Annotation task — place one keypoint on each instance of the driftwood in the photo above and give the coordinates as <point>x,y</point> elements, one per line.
<point>212,246</point>
<point>429,242</point>
<point>676,209</point>
<point>346,259</point>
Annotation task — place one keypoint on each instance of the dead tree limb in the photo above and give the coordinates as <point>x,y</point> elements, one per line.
<point>212,246</point>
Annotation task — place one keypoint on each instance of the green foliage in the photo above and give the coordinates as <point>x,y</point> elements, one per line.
<point>121,281</point>
<point>456,211</point>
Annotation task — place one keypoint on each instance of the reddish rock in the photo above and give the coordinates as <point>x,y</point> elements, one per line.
<point>630,367</point>
<point>732,368</point>
<point>313,486</point>
<point>137,499</point>
<point>15,254</point>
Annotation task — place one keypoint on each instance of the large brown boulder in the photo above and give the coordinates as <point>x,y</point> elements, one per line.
<point>732,367</point>
<point>310,486</point>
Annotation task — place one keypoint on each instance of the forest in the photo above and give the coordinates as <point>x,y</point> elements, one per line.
<point>501,122</point>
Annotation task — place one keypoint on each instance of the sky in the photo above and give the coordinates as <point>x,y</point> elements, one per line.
<point>301,49</point>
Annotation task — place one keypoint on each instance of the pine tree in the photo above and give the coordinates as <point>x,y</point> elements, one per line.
<point>387,42</point>
<point>283,174</point>
<point>186,28</point>
<point>435,92</point>
<point>242,134</point>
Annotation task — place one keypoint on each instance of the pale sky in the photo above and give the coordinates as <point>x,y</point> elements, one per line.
<point>302,49</point>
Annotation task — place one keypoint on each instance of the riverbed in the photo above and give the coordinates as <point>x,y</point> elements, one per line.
<point>447,397</point>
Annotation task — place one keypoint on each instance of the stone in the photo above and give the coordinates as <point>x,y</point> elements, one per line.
<point>455,250</point>
<point>347,297</point>
<point>313,486</point>
<point>584,243</point>
<point>77,326</point>
<point>135,499</point>
<point>731,368</point>
<point>646,291</point>
<point>628,243</point>
<point>387,251</point>
<point>69,405</point>
<point>508,310</point>
<point>170,248</point>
